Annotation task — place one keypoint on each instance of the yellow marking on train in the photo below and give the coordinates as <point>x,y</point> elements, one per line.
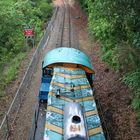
<point>95,131</point>
<point>66,99</point>
<point>85,99</point>
<point>51,94</point>
<point>71,68</point>
<point>89,113</point>
<point>54,128</point>
<point>69,88</point>
<point>61,97</point>
<point>76,100</point>
<point>54,109</point>
<point>78,66</point>
<point>58,84</point>
<point>82,87</point>
<point>70,76</point>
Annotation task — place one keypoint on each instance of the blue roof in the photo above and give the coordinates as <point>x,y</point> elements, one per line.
<point>67,55</point>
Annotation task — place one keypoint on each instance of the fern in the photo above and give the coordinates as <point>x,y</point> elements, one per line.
<point>132,79</point>
<point>136,103</point>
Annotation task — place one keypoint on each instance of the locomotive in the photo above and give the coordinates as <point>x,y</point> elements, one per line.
<point>68,92</point>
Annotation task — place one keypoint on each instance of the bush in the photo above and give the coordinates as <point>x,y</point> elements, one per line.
<point>46,10</point>
<point>132,79</point>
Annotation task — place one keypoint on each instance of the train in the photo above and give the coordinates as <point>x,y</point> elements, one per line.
<point>67,90</point>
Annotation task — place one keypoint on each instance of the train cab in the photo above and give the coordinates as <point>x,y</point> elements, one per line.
<point>45,84</point>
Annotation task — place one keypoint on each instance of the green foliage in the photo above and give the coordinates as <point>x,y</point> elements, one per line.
<point>138,116</point>
<point>11,71</point>
<point>116,24</point>
<point>46,10</point>
<point>132,79</point>
<point>15,15</point>
<point>83,4</point>
<point>2,94</point>
<point>127,57</point>
<point>136,103</point>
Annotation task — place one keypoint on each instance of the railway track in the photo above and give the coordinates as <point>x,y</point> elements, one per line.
<point>64,31</point>
<point>64,37</point>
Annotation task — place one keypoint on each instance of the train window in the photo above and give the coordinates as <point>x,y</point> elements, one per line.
<point>47,71</point>
<point>90,78</point>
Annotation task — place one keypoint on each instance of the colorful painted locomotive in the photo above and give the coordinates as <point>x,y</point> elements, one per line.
<point>67,86</point>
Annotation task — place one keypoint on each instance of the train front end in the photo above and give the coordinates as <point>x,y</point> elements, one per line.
<point>71,108</point>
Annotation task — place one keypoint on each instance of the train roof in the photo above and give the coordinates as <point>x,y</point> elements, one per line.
<point>62,56</point>
<point>76,98</point>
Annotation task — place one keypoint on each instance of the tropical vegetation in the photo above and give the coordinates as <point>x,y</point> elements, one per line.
<point>117,25</point>
<point>15,16</point>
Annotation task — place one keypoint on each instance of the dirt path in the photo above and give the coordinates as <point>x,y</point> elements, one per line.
<point>112,94</point>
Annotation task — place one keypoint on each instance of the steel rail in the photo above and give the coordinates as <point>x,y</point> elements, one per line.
<point>64,15</point>
<point>69,25</point>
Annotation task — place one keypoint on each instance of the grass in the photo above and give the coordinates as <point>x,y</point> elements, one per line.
<point>10,72</point>
<point>12,69</point>
<point>2,94</point>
